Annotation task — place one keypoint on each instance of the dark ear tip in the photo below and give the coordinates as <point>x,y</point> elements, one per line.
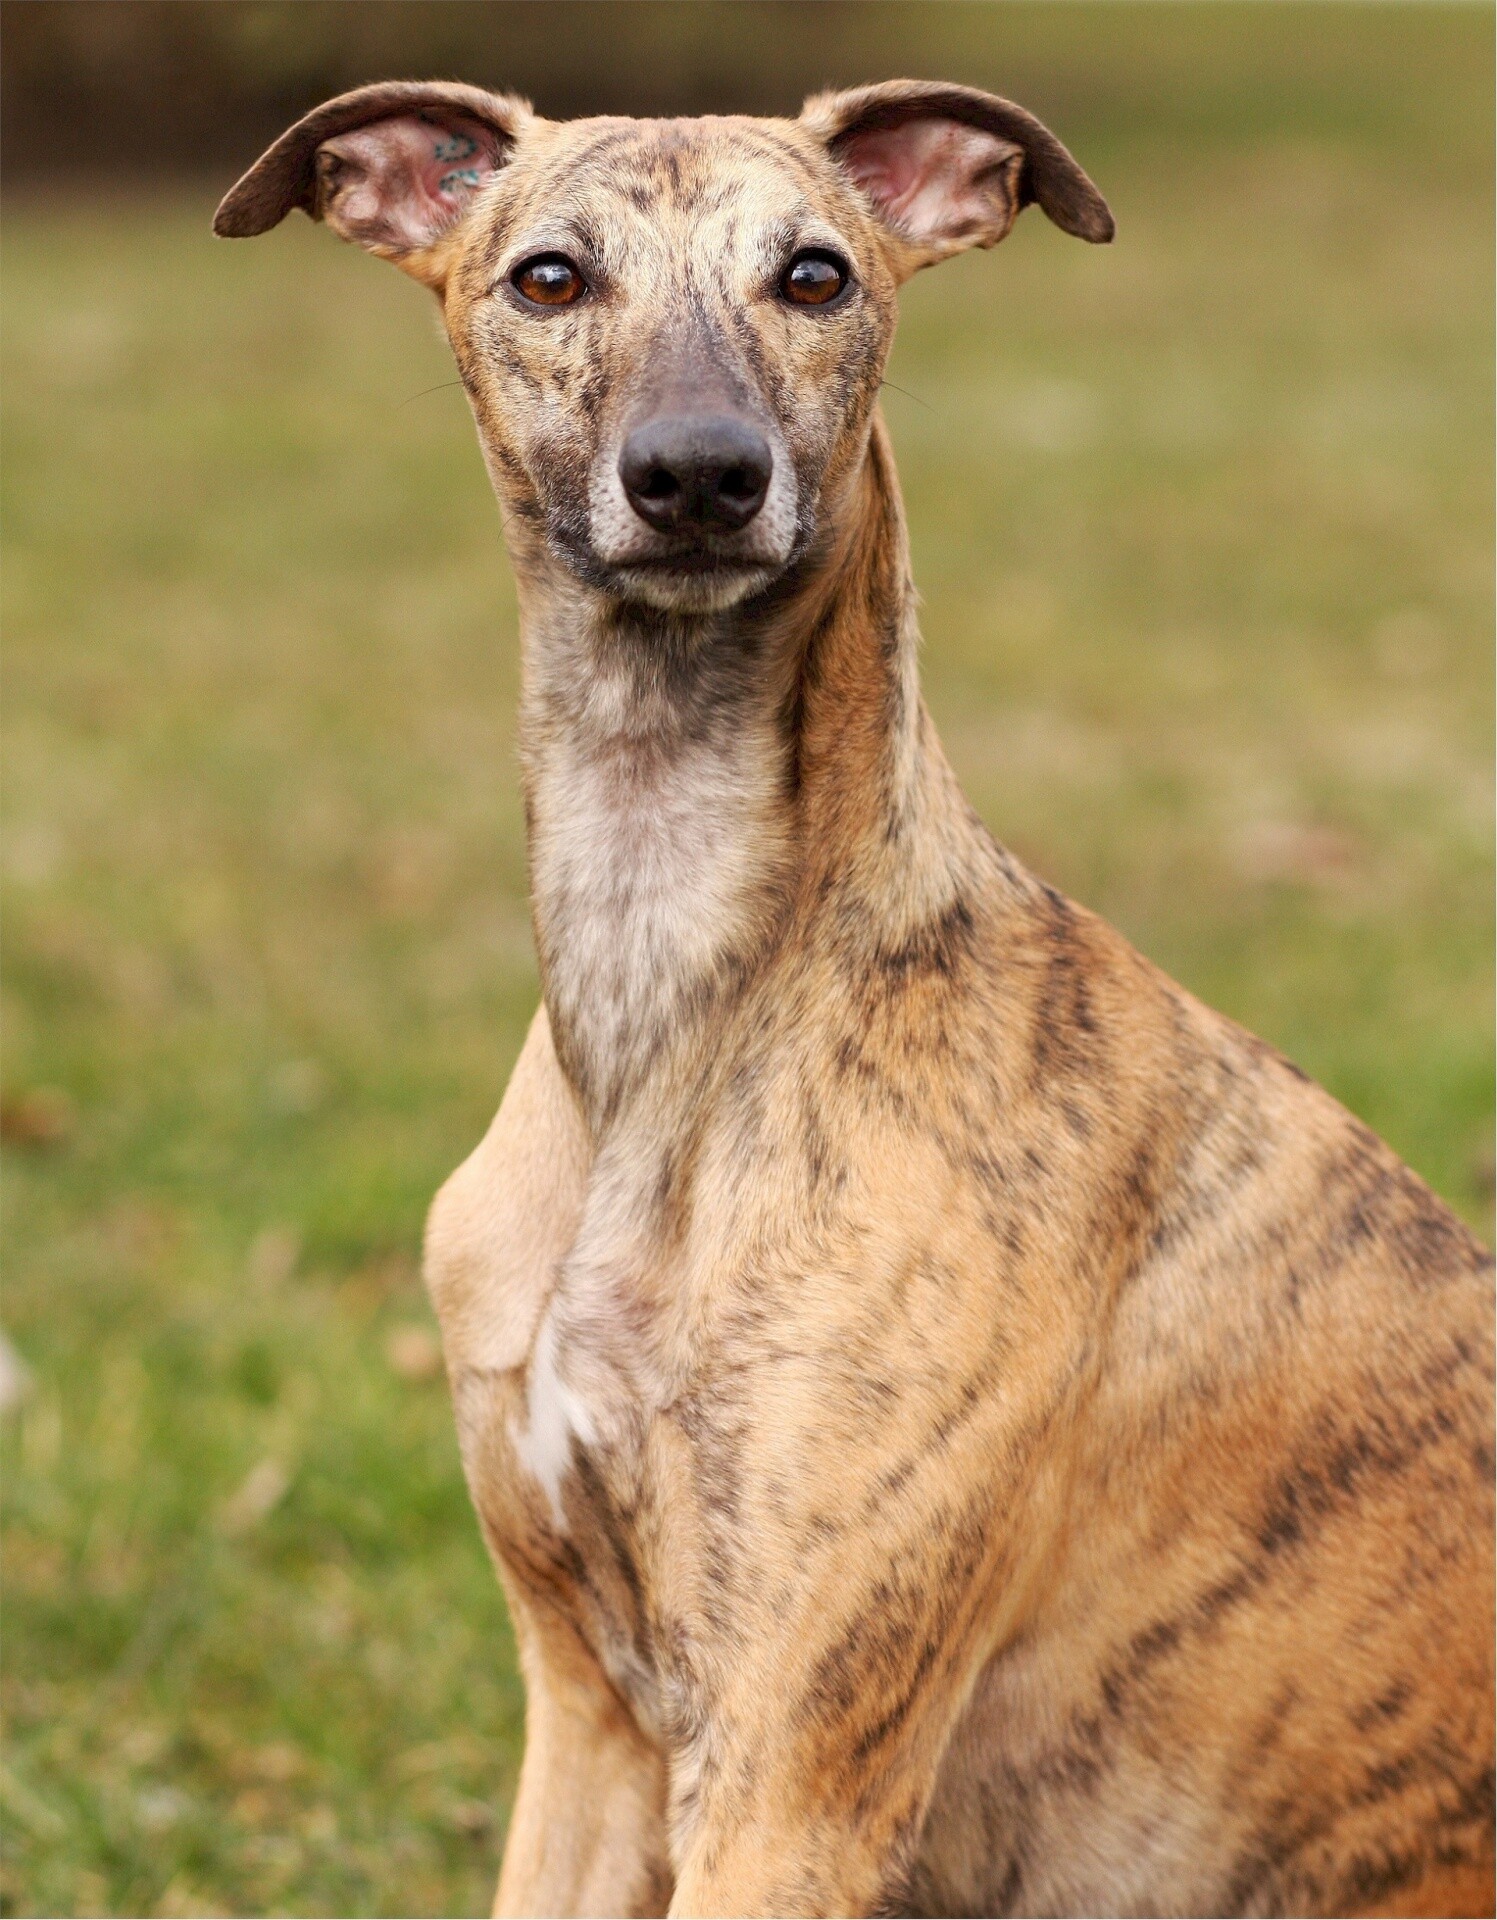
<point>264,196</point>
<point>234,221</point>
<point>1075,205</point>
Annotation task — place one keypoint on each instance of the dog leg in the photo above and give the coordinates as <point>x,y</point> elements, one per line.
<point>790,1866</point>
<point>794,1844</point>
<point>587,1835</point>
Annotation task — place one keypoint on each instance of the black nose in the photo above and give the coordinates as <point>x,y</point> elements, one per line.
<point>690,472</point>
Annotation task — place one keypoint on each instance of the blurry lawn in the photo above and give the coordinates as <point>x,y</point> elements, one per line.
<point>1202,524</point>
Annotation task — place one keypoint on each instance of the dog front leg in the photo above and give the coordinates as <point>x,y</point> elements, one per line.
<point>797,1865</point>
<point>780,1831</point>
<point>587,1835</point>
<point>819,1730</point>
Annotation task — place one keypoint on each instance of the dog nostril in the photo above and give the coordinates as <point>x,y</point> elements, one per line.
<point>736,484</point>
<point>660,485</point>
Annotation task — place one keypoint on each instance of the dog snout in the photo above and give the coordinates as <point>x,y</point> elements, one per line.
<point>703,474</point>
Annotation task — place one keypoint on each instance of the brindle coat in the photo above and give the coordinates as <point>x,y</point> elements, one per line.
<point>963,1428</point>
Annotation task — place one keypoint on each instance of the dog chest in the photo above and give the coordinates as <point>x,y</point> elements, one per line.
<point>557,1424</point>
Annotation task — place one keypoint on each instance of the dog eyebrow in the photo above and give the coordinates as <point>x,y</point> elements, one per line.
<point>804,226</point>
<point>576,238</point>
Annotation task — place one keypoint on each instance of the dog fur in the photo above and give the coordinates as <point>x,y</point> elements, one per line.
<point>963,1428</point>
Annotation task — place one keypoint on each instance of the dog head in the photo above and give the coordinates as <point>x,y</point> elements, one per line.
<point>672,332</point>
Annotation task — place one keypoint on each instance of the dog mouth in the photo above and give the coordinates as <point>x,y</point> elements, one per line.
<point>682,572</point>
<point>696,564</point>
<point>690,550</point>
<point>693,580</point>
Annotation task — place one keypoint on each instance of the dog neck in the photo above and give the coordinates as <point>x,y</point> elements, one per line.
<point>701,789</point>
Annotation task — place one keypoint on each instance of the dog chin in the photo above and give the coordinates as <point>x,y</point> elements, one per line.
<point>693,588</point>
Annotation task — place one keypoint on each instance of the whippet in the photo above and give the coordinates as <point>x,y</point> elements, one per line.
<point>962,1427</point>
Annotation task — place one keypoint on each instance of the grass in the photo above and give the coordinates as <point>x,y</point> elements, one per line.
<point>1202,524</point>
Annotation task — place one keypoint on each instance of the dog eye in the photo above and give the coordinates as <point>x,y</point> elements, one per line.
<point>549,280</point>
<point>813,279</point>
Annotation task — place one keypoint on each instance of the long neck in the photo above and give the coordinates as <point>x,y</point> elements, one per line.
<point>699,789</point>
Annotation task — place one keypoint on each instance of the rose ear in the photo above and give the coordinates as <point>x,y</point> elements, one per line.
<point>392,167</point>
<point>949,168</point>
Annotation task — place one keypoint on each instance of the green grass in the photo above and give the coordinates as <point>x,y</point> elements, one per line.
<point>1202,524</point>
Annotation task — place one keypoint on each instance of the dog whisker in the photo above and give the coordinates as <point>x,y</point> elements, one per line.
<point>440,387</point>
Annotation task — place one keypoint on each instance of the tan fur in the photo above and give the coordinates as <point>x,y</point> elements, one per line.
<point>962,1427</point>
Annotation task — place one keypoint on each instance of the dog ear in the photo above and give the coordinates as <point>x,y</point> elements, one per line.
<point>393,167</point>
<point>949,168</point>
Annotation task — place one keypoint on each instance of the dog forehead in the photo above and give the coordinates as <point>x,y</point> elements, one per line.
<point>657,169</point>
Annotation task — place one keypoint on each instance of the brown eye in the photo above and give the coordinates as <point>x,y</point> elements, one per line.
<point>550,280</point>
<point>814,279</point>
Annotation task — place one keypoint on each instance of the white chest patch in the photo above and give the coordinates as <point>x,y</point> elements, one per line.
<point>557,1416</point>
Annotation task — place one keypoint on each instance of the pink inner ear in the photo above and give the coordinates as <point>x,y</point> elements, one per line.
<point>939,180</point>
<point>883,164</point>
<point>402,182</point>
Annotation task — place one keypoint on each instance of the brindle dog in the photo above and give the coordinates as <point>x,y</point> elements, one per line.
<point>963,1428</point>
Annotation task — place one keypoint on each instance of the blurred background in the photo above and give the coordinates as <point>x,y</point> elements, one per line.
<point>1202,522</point>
